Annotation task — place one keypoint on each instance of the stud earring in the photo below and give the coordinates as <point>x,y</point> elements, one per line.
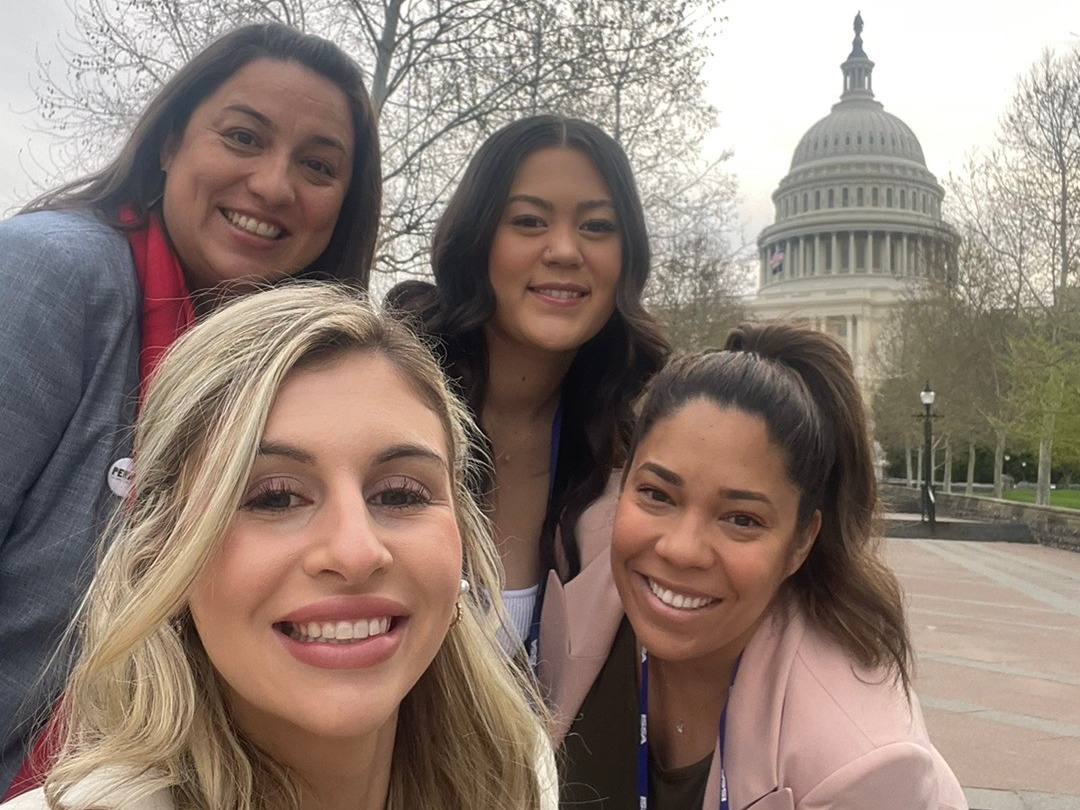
<point>465,587</point>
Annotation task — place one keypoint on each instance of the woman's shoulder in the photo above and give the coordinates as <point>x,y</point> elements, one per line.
<point>842,723</point>
<point>109,789</point>
<point>63,250</point>
<point>825,689</point>
<point>47,226</point>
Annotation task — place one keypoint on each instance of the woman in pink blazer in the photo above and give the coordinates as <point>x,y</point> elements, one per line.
<point>745,645</point>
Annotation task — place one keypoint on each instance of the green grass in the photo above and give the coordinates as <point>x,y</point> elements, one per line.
<point>1068,498</point>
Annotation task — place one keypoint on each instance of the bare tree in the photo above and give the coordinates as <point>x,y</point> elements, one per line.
<point>443,75</point>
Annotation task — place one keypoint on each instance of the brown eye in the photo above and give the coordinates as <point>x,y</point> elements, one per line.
<point>401,493</point>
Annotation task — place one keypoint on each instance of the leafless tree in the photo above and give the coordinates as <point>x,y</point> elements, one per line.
<point>443,75</point>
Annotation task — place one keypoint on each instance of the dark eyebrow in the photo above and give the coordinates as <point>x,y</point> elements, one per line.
<point>539,202</point>
<point>663,473</point>
<point>529,198</point>
<point>391,453</point>
<point>675,479</point>
<point>279,449</point>
<point>322,140</point>
<point>590,205</point>
<point>407,450</point>
<point>745,495</point>
<point>244,109</point>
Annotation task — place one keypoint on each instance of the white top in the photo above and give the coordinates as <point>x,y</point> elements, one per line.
<point>115,789</point>
<point>519,610</point>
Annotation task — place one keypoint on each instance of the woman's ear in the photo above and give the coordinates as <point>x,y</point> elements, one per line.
<point>804,542</point>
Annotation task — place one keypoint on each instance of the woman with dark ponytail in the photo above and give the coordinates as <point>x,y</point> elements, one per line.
<point>762,638</point>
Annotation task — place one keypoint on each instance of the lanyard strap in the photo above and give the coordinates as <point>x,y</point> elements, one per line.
<point>643,736</point>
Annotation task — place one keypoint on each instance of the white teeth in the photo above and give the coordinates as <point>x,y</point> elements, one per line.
<point>252,225</point>
<point>341,632</point>
<point>565,294</point>
<point>678,600</point>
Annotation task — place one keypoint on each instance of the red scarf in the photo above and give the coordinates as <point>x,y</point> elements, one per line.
<point>166,314</point>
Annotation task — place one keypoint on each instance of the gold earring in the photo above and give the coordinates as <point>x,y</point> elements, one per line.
<point>458,611</point>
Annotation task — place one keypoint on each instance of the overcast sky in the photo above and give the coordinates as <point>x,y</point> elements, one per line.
<point>946,67</point>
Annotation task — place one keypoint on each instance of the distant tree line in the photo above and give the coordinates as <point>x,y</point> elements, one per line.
<point>1000,340</point>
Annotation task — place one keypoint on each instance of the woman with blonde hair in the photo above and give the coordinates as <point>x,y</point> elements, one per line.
<point>257,161</point>
<point>283,617</point>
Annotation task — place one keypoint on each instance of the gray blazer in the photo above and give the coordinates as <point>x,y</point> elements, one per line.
<point>70,307</point>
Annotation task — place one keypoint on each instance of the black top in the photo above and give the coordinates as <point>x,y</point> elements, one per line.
<point>599,755</point>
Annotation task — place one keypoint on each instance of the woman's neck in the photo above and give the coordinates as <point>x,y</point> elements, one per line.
<point>339,774</point>
<point>520,403</point>
<point>523,385</point>
<point>686,699</point>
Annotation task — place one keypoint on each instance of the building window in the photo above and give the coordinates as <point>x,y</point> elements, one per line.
<point>874,197</point>
<point>805,202</point>
<point>903,198</point>
<point>832,199</point>
<point>888,198</point>
<point>844,197</point>
<point>817,200</point>
<point>859,201</point>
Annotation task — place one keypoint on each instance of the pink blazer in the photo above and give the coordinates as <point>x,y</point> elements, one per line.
<point>807,729</point>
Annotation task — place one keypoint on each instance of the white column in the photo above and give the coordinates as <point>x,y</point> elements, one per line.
<point>817,254</point>
<point>851,252</point>
<point>905,271</point>
<point>869,251</point>
<point>886,259</point>
<point>834,263</point>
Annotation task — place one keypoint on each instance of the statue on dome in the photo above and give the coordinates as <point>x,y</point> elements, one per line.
<point>858,23</point>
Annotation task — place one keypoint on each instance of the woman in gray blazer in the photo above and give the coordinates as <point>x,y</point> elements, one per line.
<point>258,160</point>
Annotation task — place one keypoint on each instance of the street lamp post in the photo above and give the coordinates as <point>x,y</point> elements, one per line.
<point>926,396</point>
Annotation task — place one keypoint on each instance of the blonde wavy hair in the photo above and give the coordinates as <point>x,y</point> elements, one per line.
<point>143,699</point>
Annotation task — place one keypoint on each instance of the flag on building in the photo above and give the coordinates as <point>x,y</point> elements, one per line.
<point>776,261</point>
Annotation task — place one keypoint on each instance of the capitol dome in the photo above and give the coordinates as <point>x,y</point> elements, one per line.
<point>858,128</point>
<point>858,222</point>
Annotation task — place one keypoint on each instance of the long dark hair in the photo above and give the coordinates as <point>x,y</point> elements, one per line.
<point>802,385</point>
<point>608,372</point>
<point>134,177</point>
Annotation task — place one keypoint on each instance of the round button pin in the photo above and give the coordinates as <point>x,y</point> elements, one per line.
<point>120,475</point>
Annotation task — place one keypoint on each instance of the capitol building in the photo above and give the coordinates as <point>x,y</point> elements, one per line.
<point>858,221</point>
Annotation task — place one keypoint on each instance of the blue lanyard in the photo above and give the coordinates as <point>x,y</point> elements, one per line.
<point>643,737</point>
<point>532,640</point>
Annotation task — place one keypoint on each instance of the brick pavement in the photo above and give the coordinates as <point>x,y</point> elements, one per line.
<point>996,628</point>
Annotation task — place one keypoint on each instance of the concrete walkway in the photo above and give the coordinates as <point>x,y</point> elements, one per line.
<point>996,627</point>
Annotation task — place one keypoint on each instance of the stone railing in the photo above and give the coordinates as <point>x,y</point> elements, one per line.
<point>1052,526</point>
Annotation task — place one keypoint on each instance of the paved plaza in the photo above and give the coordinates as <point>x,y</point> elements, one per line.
<point>996,627</point>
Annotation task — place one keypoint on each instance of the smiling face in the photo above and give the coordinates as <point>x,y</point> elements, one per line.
<point>254,185</point>
<point>336,580</point>
<point>705,533</point>
<point>557,254</point>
